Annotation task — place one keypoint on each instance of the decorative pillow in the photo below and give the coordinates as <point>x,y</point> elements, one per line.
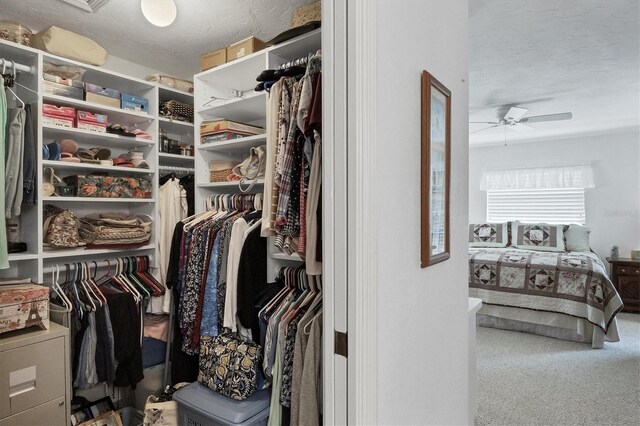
<point>538,236</point>
<point>489,235</point>
<point>577,238</point>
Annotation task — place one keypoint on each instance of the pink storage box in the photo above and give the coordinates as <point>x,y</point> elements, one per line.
<point>92,122</point>
<point>58,116</point>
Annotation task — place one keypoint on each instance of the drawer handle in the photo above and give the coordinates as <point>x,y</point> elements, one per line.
<point>623,270</point>
<point>60,404</point>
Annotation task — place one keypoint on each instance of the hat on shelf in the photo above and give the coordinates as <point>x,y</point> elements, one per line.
<point>303,20</point>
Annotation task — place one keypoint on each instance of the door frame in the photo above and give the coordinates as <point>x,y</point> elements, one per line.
<point>349,219</point>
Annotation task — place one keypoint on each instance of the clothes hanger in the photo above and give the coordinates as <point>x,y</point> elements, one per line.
<point>83,286</point>
<point>94,286</point>
<point>123,279</point>
<point>55,276</point>
<point>86,282</point>
<point>15,95</point>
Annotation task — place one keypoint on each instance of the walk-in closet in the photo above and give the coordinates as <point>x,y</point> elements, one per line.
<point>163,243</point>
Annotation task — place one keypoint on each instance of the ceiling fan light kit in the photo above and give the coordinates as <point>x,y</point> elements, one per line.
<point>160,13</point>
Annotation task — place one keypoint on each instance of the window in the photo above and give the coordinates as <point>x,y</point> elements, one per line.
<point>536,205</point>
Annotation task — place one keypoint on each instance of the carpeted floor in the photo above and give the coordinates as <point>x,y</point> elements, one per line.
<point>524,379</point>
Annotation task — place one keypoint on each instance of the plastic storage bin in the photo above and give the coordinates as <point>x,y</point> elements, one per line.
<point>199,405</point>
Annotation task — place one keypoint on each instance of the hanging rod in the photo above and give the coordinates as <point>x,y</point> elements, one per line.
<point>296,62</point>
<point>177,169</point>
<point>9,65</point>
<point>91,263</point>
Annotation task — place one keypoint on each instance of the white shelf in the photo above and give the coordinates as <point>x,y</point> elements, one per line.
<point>299,46</point>
<point>175,122</point>
<point>238,74</point>
<point>115,115</point>
<point>176,159</point>
<point>87,166</point>
<point>294,257</point>
<point>225,185</point>
<point>240,144</point>
<point>103,77</point>
<point>97,200</point>
<point>16,257</point>
<point>167,93</point>
<point>78,252</point>
<point>246,109</point>
<point>95,138</point>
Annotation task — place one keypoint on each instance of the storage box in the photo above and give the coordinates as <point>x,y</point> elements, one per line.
<point>59,86</point>
<point>213,59</point>
<point>110,186</point>
<point>92,122</point>
<point>23,306</point>
<point>134,103</point>
<point>101,95</point>
<point>218,126</point>
<point>199,405</point>
<point>58,116</point>
<point>244,48</point>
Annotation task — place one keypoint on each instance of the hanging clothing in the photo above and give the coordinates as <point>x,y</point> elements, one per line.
<point>125,320</point>
<point>30,168</point>
<point>4,252</point>
<point>172,209</point>
<point>14,154</point>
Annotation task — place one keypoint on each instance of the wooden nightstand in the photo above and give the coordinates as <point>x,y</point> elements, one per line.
<point>625,274</point>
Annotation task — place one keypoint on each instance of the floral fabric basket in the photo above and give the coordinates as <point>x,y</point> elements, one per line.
<point>110,186</point>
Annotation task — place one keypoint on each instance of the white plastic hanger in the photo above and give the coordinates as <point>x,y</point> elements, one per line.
<point>55,276</point>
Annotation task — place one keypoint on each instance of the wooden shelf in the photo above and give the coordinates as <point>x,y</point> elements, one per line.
<point>94,138</point>
<point>16,257</point>
<point>294,257</point>
<point>96,167</point>
<point>116,115</point>
<point>245,109</point>
<point>237,73</point>
<point>79,252</point>
<point>228,185</point>
<point>235,145</point>
<point>175,122</point>
<point>97,200</point>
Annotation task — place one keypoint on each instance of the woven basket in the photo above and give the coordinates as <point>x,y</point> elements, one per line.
<point>219,170</point>
<point>219,175</point>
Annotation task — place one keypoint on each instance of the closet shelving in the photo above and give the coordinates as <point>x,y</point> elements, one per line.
<point>226,92</point>
<point>33,262</point>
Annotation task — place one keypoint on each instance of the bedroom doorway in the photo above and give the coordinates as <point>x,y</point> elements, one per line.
<point>553,209</point>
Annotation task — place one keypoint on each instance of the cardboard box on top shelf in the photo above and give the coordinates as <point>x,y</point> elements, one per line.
<point>213,59</point>
<point>244,47</point>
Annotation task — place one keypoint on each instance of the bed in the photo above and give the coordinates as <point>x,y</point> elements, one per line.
<point>566,295</point>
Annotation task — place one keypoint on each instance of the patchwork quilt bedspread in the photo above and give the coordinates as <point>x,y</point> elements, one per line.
<point>574,283</point>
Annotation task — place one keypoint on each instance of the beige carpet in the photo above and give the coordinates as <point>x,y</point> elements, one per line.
<point>524,379</point>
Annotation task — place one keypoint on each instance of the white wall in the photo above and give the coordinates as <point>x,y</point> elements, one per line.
<point>129,68</point>
<point>612,207</point>
<point>422,313</point>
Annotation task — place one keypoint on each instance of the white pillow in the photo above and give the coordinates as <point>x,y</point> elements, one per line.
<point>577,238</point>
<point>537,236</point>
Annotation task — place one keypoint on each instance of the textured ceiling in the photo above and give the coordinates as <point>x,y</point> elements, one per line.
<point>120,27</point>
<point>550,56</point>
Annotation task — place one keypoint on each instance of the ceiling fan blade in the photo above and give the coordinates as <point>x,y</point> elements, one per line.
<point>515,113</point>
<point>522,128</point>
<point>485,128</point>
<point>484,122</point>
<point>548,117</point>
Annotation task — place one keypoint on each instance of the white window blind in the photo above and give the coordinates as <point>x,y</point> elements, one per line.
<point>536,205</point>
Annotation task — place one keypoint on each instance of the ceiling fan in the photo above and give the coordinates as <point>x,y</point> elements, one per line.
<point>514,120</point>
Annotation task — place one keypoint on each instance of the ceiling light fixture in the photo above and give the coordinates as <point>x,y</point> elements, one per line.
<point>160,13</point>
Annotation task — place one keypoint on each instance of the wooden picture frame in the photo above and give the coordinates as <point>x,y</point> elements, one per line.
<point>435,171</point>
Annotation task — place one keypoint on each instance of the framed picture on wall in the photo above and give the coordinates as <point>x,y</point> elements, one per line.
<point>435,171</point>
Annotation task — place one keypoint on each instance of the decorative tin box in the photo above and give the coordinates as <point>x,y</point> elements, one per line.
<point>23,306</point>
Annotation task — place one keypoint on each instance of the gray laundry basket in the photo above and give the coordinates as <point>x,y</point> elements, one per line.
<point>199,405</point>
<point>131,417</point>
